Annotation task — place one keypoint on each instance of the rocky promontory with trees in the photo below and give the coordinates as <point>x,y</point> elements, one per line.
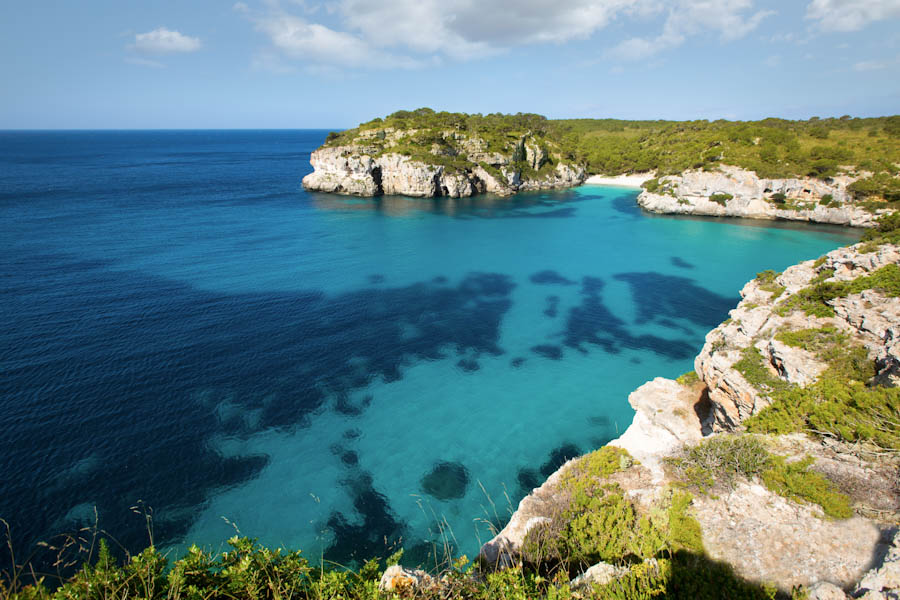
<point>843,171</point>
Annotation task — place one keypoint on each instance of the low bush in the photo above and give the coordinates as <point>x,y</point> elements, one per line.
<point>794,480</point>
<point>720,461</point>
<point>753,367</point>
<point>720,199</point>
<point>813,300</point>
<point>767,283</point>
<point>688,379</point>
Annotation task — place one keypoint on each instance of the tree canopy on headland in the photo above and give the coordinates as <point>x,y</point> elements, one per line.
<point>773,148</point>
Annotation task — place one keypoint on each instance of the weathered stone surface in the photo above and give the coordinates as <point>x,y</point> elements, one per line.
<point>689,193</point>
<point>399,580</point>
<point>884,580</point>
<point>664,419</point>
<point>338,171</point>
<point>767,538</point>
<point>794,365</point>
<point>824,590</point>
<point>599,574</point>
<point>869,319</point>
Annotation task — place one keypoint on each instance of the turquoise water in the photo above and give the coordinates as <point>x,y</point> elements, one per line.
<point>666,278</point>
<point>185,326</point>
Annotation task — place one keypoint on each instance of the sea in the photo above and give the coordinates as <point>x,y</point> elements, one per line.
<point>194,347</point>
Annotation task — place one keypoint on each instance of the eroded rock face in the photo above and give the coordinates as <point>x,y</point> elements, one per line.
<point>362,170</point>
<point>869,319</point>
<point>665,418</point>
<point>690,192</point>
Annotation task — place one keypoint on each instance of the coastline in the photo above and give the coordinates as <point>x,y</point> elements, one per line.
<point>634,180</point>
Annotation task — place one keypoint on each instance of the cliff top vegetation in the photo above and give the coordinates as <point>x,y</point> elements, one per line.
<point>775,148</point>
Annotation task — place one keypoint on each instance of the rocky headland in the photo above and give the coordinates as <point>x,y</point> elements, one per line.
<point>786,338</point>
<point>729,191</point>
<point>459,165</point>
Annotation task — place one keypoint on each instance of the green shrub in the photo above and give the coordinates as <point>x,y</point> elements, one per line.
<point>651,185</point>
<point>887,229</point>
<point>814,299</point>
<point>598,464</point>
<point>794,480</point>
<point>723,459</point>
<point>826,200</point>
<point>688,379</point>
<point>720,199</point>
<point>778,198</point>
<point>840,404</point>
<point>753,367</point>
<point>719,461</point>
<point>767,283</point>
<point>813,340</point>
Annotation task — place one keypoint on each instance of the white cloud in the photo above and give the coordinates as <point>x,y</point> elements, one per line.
<point>875,65</point>
<point>730,19</point>
<point>165,41</point>
<point>471,28</point>
<point>317,44</point>
<point>850,15</point>
<point>409,33</point>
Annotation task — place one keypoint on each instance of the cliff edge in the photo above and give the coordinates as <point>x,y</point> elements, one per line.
<point>786,436</point>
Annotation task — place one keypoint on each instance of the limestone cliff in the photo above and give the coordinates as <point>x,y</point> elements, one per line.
<point>868,319</point>
<point>764,536</point>
<point>741,193</point>
<point>384,162</point>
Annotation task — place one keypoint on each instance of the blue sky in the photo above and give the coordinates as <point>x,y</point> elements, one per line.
<point>304,63</point>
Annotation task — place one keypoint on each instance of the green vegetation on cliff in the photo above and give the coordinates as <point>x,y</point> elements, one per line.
<point>842,403</point>
<point>721,460</point>
<point>774,148</point>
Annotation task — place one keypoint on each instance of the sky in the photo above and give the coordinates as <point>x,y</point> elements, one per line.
<point>157,64</point>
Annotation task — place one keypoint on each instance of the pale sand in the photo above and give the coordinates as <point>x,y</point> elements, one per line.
<point>635,180</point>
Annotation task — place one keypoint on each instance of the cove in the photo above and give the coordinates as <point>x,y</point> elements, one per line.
<point>184,325</point>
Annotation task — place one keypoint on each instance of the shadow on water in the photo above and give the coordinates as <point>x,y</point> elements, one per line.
<point>681,263</point>
<point>547,204</point>
<point>550,277</point>
<point>121,382</point>
<point>592,322</point>
<point>659,296</point>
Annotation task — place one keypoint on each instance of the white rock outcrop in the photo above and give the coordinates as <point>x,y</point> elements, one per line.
<point>869,318</point>
<point>690,192</point>
<point>362,170</point>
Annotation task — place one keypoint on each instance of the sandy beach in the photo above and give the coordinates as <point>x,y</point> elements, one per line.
<point>634,180</point>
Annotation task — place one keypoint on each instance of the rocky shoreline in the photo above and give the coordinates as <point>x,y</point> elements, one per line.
<point>725,191</point>
<point>729,191</point>
<point>359,170</point>
<point>765,537</point>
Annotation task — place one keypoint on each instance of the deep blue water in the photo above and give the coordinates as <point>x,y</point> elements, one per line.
<point>181,324</point>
